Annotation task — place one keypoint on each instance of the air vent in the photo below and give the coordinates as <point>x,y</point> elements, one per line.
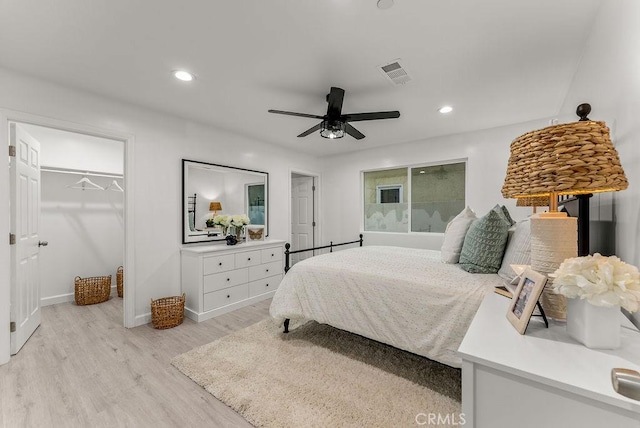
<point>395,72</point>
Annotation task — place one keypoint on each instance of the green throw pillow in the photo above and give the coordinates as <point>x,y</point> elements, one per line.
<point>484,244</point>
<point>505,211</point>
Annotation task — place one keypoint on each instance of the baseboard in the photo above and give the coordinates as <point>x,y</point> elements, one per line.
<point>54,300</point>
<point>142,319</point>
<point>71,297</point>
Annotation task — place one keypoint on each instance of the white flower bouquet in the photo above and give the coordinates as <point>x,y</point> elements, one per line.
<point>239,220</point>
<point>222,221</point>
<point>603,281</point>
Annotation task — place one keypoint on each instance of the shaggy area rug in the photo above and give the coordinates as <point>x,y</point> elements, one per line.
<point>319,376</point>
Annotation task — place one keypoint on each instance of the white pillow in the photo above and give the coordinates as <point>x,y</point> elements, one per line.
<point>454,235</point>
<point>518,250</point>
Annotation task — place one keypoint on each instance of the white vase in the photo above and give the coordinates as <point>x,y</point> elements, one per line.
<point>596,327</point>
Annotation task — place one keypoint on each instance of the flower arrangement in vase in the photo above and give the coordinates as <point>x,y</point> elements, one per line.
<point>231,224</point>
<point>239,221</point>
<point>596,287</point>
<point>223,222</point>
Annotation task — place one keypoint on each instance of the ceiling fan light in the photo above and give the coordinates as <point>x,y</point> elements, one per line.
<point>332,129</point>
<point>445,109</point>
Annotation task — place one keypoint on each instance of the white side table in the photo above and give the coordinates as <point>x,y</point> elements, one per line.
<point>543,378</point>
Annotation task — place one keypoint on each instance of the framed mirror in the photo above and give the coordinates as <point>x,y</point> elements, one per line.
<point>209,189</point>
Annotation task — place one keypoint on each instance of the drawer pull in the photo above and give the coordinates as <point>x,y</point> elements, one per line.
<point>220,264</point>
<point>267,270</point>
<point>273,255</point>
<point>248,258</point>
<point>267,285</point>
<point>228,279</point>
<point>228,296</point>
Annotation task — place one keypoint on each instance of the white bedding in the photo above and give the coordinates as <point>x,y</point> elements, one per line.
<point>404,297</point>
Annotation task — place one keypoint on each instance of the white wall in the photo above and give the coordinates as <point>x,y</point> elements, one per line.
<point>85,231</point>
<point>161,141</point>
<point>76,151</point>
<point>608,78</point>
<point>486,153</point>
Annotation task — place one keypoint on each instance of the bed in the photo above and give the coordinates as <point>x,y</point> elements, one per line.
<point>404,297</point>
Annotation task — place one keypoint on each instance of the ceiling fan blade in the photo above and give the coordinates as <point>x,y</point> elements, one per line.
<point>353,132</point>
<point>356,117</point>
<point>291,113</point>
<point>335,98</point>
<point>311,130</point>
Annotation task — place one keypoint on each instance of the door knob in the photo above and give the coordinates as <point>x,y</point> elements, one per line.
<point>42,243</point>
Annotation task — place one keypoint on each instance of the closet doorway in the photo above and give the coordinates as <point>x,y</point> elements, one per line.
<point>81,226</point>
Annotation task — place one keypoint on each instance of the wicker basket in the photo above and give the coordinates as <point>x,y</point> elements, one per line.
<point>167,312</point>
<point>120,281</point>
<point>95,289</point>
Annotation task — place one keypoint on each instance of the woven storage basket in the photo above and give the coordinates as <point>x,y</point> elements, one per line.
<point>167,312</point>
<point>120,281</point>
<point>91,290</point>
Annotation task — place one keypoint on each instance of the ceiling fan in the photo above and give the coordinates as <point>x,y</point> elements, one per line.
<point>335,124</point>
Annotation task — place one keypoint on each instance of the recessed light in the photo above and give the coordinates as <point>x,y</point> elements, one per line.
<point>385,4</point>
<point>185,76</point>
<point>445,109</point>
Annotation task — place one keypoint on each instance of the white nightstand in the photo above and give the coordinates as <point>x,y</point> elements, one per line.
<point>543,378</point>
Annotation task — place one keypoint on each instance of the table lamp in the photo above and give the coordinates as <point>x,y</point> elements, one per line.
<point>215,207</point>
<point>575,158</point>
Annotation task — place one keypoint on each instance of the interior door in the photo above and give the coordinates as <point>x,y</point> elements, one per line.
<point>25,222</point>
<point>302,216</point>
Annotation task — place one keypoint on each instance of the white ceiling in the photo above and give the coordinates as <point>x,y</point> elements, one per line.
<point>496,62</point>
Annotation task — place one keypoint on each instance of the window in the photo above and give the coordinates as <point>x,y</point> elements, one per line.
<point>384,206</point>
<point>436,194</point>
<point>389,194</point>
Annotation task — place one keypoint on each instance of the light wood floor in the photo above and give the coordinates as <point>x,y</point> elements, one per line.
<point>81,368</point>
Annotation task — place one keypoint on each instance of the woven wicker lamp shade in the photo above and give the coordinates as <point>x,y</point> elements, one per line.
<point>568,159</point>
<point>533,201</point>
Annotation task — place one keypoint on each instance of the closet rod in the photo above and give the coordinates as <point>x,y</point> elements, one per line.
<point>79,172</point>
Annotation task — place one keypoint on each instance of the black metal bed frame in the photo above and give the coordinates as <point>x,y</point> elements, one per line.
<point>287,254</point>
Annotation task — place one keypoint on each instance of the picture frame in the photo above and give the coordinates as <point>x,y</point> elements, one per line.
<point>255,232</point>
<point>525,299</point>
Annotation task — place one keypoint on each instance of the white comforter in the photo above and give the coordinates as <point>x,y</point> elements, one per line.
<point>404,297</point>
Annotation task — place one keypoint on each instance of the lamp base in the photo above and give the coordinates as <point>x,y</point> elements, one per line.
<point>554,238</point>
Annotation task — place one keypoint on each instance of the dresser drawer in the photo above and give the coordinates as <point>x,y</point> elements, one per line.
<point>264,285</point>
<point>220,298</point>
<point>271,254</point>
<point>248,258</point>
<point>217,264</point>
<point>265,270</point>
<point>218,281</point>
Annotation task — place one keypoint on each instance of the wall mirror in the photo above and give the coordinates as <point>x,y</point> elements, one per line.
<point>209,189</point>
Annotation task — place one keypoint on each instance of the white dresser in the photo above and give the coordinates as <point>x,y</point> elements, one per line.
<point>543,378</point>
<point>221,278</point>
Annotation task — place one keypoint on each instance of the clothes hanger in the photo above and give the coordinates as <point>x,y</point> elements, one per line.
<point>85,184</point>
<point>115,186</point>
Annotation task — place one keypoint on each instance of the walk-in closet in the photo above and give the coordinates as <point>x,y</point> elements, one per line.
<point>81,210</point>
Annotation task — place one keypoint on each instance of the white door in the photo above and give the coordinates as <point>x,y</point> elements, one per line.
<point>25,222</point>
<point>302,216</point>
